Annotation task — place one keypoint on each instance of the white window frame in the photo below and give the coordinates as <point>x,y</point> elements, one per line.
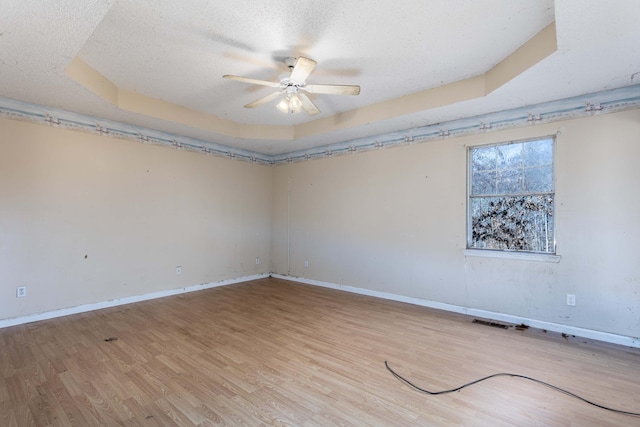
<point>550,256</point>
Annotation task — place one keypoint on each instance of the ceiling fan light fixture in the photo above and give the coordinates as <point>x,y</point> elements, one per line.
<point>295,105</point>
<point>283,105</point>
<point>290,104</point>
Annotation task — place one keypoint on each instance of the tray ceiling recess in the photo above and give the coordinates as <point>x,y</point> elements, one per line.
<point>154,71</point>
<point>529,54</point>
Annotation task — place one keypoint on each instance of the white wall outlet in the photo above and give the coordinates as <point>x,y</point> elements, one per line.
<point>571,299</point>
<point>306,263</point>
<point>257,260</point>
<point>21,291</point>
<point>178,270</point>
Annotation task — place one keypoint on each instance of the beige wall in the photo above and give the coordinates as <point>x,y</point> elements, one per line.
<point>390,221</point>
<point>394,221</point>
<point>136,211</point>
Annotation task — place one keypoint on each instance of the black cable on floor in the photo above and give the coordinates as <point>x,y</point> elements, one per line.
<point>503,374</point>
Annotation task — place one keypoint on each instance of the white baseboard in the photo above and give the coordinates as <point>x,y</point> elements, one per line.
<point>539,324</point>
<point>555,327</point>
<point>122,301</point>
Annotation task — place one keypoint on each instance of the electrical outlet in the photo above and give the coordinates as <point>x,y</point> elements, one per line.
<point>178,270</point>
<point>571,299</point>
<point>21,291</point>
<point>257,260</point>
<point>306,263</point>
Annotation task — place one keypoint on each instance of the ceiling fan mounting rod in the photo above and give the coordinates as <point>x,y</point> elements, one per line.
<point>290,62</point>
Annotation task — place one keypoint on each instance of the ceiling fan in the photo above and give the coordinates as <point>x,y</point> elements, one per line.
<point>292,87</point>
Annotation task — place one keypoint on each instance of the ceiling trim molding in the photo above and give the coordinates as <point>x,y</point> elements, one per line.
<point>625,98</point>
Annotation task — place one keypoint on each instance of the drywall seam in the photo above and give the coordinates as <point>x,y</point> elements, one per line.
<point>122,301</point>
<point>540,324</point>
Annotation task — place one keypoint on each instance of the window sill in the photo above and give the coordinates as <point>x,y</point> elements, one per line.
<point>523,256</point>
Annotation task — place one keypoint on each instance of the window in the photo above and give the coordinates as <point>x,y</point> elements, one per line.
<point>511,197</point>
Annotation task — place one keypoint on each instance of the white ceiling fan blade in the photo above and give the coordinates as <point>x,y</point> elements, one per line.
<point>308,105</point>
<point>252,81</point>
<point>263,100</point>
<point>332,89</point>
<point>302,69</point>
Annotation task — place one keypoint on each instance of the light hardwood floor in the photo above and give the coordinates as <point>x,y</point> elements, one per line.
<point>272,352</point>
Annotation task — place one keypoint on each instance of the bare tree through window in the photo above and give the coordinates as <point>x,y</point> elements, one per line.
<point>511,197</point>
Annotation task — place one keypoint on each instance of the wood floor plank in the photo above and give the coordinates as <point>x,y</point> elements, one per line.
<point>271,352</point>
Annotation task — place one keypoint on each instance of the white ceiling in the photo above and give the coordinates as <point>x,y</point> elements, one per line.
<point>177,51</point>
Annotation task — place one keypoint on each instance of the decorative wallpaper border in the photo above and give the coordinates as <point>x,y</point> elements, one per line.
<point>11,108</point>
<point>625,98</point>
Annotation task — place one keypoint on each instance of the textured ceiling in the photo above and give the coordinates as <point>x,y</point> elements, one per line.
<point>177,51</point>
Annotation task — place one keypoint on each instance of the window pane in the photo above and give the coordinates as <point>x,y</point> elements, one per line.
<point>483,158</point>
<point>509,156</point>
<point>513,223</point>
<point>483,183</point>
<point>510,181</point>
<point>511,197</point>
<point>538,153</point>
<point>538,180</point>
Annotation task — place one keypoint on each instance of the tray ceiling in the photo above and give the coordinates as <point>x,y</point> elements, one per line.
<point>159,65</point>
